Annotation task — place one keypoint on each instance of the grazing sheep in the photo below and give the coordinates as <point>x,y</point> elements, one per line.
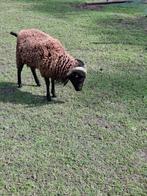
<point>39,50</point>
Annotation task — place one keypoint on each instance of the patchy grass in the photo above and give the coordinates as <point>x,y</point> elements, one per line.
<point>87,143</point>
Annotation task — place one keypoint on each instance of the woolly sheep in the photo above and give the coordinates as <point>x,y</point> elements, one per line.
<point>39,50</point>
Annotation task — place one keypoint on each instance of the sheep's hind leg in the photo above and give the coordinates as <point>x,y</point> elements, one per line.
<point>47,89</point>
<point>19,70</point>
<point>35,76</point>
<point>53,88</point>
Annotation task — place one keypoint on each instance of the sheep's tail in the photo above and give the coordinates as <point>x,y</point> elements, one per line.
<point>14,34</point>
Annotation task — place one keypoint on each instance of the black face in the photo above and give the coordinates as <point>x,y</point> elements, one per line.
<point>77,80</point>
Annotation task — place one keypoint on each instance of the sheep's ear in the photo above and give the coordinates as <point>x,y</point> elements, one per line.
<point>81,63</point>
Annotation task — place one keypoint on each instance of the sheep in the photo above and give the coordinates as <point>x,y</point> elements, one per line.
<point>39,50</point>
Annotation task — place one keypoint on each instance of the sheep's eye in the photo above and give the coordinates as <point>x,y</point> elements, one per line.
<point>76,76</point>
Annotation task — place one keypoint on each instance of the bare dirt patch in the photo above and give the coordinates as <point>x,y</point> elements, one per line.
<point>86,6</point>
<point>99,5</point>
<point>143,154</point>
<point>140,157</point>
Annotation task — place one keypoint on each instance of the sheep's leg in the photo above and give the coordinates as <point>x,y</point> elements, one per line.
<point>47,89</point>
<point>19,69</point>
<point>35,76</point>
<point>53,88</point>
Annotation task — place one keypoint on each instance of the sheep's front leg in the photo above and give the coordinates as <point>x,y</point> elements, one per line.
<point>35,76</point>
<point>53,88</point>
<point>47,89</point>
<point>19,69</point>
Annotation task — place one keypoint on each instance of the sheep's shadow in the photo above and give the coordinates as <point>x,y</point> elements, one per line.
<point>10,93</point>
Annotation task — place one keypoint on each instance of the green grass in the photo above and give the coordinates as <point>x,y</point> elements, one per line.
<point>87,143</point>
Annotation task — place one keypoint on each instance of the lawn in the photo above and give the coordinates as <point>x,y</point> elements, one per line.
<point>91,142</point>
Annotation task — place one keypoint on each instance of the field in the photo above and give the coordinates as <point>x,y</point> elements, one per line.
<point>91,142</point>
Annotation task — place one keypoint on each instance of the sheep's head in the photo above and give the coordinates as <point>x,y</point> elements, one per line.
<point>77,76</point>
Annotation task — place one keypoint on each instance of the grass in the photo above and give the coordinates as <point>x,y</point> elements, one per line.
<point>87,143</point>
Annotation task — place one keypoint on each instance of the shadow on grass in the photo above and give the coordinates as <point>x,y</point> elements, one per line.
<point>113,27</point>
<point>9,93</point>
<point>66,6</point>
<point>120,30</point>
<point>53,7</point>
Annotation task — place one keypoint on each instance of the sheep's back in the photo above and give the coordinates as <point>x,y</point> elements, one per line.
<point>34,46</point>
<point>38,49</point>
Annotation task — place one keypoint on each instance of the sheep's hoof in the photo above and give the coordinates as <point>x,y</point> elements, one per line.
<point>54,96</point>
<point>19,85</point>
<point>49,99</point>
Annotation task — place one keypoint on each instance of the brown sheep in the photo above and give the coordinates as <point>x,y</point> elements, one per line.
<point>39,50</point>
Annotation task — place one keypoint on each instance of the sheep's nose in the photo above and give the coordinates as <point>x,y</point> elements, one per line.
<point>79,88</point>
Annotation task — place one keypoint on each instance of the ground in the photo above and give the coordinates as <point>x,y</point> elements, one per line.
<point>87,143</point>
